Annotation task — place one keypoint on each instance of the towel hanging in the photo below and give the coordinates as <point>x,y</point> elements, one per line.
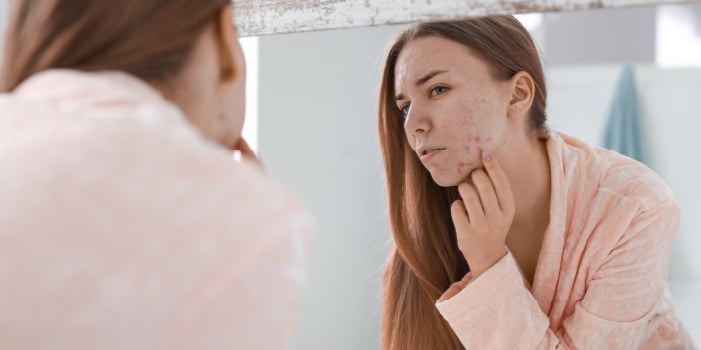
<point>624,132</point>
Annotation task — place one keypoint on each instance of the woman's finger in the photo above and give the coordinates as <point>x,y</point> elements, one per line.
<point>459,216</point>
<point>247,152</point>
<point>486,192</point>
<point>244,148</point>
<point>472,203</point>
<point>500,182</point>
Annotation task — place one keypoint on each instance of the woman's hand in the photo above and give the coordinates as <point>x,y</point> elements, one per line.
<point>484,215</point>
<point>247,153</point>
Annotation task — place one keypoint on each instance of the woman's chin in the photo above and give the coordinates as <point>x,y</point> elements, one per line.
<point>447,181</point>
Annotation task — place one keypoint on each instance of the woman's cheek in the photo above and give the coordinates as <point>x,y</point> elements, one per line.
<point>476,139</point>
<point>462,168</point>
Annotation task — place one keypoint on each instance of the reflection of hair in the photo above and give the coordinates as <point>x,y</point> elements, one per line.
<point>151,39</point>
<point>426,259</point>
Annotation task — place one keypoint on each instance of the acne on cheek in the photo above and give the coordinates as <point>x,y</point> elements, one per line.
<point>475,140</point>
<point>461,168</point>
<point>464,168</point>
<point>468,121</point>
<point>474,135</point>
<point>481,141</point>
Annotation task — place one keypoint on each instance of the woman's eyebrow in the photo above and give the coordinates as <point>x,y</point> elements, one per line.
<point>428,77</point>
<point>422,81</point>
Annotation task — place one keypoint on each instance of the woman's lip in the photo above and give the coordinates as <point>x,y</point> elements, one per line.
<point>430,154</point>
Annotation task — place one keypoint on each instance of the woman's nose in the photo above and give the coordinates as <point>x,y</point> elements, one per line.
<point>417,121</point>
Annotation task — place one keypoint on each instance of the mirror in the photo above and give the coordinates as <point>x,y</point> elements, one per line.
<point>255,18</point>
<point>315,73</point>
<point>317,133</point>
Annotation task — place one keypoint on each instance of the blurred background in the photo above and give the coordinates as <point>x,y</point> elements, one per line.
<point>311,114</point>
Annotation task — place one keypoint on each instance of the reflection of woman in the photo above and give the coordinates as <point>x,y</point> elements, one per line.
<point>550,243</point>
<point>126,224</point>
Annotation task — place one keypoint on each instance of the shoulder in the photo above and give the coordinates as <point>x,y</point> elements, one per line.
<point>145,156</point>
<point>613,174</point>
<point>632,179</point>
<point>211,182</point>
<point>615,204</point>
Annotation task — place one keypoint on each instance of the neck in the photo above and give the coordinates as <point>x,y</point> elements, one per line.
<point>529,175</point>
<point>194,98</point>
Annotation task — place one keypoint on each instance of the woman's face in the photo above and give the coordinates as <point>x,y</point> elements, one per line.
<point>453,107</point>
<point>234,97</point>
<point>211,87</point>
<point>232,90</point>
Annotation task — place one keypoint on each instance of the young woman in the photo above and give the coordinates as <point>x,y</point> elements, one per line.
<point>508,235</point>
<point>125,221</point>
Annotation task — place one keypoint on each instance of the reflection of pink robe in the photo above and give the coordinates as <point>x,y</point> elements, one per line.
<point>122,228</point>
<point>600,282</point>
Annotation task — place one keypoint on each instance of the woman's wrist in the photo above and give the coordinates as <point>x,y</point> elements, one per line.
<point>479,266</point>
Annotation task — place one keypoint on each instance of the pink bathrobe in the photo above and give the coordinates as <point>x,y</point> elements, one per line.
<point>600,282</point>
<point>122,228</point>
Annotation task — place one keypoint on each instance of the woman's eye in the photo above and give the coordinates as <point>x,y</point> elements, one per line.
<point>438,90</point>
<point>404,109</point>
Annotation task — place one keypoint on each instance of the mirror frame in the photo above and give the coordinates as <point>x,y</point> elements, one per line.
<point>264,17</point>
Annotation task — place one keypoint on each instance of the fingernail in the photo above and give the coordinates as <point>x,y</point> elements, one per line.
<point>486,155</point>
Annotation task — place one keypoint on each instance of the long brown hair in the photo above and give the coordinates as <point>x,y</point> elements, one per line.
<point>151,39</point>
<point>426,260</point>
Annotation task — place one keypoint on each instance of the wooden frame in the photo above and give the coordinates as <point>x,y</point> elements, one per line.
<point>262,17</point>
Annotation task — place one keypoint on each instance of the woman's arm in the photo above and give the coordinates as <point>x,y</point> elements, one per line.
<point>618,311</point>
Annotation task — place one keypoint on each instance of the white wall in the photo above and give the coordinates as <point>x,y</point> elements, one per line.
<point>600,36</point>
<point>579,102</point>
<point>318,136</point>
<point>3,23</point>
<point>679,35</point>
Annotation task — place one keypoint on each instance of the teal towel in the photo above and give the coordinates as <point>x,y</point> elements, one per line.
<point>624,132</point>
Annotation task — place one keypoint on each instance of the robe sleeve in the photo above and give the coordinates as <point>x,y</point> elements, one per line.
<point>618,310</point>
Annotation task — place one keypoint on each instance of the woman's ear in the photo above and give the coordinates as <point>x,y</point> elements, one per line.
<point>231,59</point>
<point>522,94</point>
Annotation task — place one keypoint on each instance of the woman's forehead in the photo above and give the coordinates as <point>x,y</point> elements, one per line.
<point>423,55</point>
